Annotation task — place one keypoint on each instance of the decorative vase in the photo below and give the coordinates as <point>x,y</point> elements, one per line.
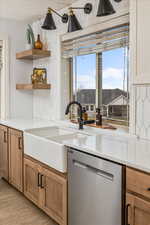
<point>38,44</point>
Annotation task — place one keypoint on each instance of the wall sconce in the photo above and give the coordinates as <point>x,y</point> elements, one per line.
<point>49,23</point>
<point>73,23</point>
<point>105,8</point>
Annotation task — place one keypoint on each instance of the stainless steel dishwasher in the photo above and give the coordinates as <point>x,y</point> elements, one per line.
<point>95,194</point>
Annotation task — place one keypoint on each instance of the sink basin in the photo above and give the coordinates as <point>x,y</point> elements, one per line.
<point>49,131</point>
<point>47,145</point>
<point>61,139</point>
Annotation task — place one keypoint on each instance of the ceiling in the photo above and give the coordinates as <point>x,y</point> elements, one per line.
<point>29,9</point>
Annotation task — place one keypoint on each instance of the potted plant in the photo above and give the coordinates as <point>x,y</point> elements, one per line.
<point>30,38</point>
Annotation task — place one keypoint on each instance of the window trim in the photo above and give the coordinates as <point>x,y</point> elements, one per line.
<point>98,79</point>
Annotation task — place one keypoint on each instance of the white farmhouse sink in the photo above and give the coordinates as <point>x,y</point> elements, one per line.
<point>49,131</point>
<point>46,145</point>
<point>61,139</point>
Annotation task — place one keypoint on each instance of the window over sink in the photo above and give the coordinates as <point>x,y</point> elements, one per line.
<point>99,74</point>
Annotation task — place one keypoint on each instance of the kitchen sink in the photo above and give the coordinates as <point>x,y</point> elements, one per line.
<point>49,131</point>
<point>63,138</point>
<point>47,145</point>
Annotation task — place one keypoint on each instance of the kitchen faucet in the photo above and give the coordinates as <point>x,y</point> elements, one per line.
<point>80,111</point>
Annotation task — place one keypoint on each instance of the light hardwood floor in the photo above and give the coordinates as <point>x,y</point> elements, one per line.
<point>15,209</point>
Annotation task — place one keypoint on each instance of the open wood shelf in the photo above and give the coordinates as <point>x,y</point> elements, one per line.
<point>33,54</point>
<point>32,86</point>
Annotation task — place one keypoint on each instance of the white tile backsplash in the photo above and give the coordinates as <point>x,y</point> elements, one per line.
<point>142,104</point>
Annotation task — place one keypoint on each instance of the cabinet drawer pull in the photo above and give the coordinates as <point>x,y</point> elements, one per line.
<point>41,183</point>
<point>5,137</point>
<point>127,213</point>
<point>39,180</point>
<point>148,189</point>
<point>20,143</point>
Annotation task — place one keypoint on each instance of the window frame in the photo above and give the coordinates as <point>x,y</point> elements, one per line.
<point>99,77</point>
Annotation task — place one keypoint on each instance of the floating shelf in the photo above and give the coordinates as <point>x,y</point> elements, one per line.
<point>32,86</point>
<point>33,54</point>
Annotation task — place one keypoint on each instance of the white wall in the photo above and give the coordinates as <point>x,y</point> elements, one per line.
<point>51,104</point>
<point>21,103</point>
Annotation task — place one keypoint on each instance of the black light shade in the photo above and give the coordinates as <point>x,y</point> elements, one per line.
<point>105,8</point>
<point>49,23</point>
<point>73,23</point>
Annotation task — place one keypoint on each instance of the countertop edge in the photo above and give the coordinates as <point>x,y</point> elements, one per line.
<point>110,158</point>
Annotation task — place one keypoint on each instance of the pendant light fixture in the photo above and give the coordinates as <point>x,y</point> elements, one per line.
<point>49,23</point>
<point>106,8</point>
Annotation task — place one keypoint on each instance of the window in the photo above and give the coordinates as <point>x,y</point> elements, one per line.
<point>84,80</point>
<point>115,86</point>
<point>92,108</point>
<point>87,107</point>
<point>100,75</point>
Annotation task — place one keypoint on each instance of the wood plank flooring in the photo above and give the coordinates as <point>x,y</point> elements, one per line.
<point>15,209</point>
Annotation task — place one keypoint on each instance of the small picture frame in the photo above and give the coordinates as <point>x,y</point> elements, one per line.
<point>40,75</point>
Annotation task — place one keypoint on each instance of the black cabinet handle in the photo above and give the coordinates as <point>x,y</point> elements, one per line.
<point>5,137</point>
<point>41,185</point>
<point>20,143</point>
<point>148,189</point>
<point>127,213</point>
<point>38,180</point>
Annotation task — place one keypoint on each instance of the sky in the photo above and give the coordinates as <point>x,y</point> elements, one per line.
<point>113,70</point>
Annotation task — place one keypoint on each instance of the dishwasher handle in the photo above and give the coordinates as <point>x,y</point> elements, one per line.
<point>96,171</point>
<point>79,164</point>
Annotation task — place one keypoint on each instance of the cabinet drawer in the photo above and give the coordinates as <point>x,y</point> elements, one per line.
<point>138,182</point>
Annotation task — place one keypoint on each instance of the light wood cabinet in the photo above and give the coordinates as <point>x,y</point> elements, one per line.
<point>138,182</point>
<point>47,189</point>
<point>54,196</point>
<point>31,181</point>
<point>138,210</point>
<point>16,159</point>
<point>139,41</point>
<point>4,152</point>
<point>137,198</point>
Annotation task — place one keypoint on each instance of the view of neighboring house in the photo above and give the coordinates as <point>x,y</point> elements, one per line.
<point>114,102</point>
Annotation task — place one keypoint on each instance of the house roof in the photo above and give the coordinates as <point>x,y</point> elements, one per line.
<point>88,96</point>
<point>121,100</point>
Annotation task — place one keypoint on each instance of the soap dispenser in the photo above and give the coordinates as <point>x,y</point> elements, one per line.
<point>85,115</point>
<point>98,117</point>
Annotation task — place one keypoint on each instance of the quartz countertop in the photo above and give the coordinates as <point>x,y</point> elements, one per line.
<point>25,124</point>
<point>131,152</point>
<point>116,146</point>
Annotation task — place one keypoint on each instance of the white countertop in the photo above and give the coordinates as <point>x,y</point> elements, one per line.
<point>113,145</point>
<point>127,151</point>
<point>25,124</point>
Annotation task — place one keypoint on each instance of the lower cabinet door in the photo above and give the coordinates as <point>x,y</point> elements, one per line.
<point>32,181</point>
<point>16,159</point>
<point>4,152</point>
<point>138,211</point>
<point>54,196</point>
